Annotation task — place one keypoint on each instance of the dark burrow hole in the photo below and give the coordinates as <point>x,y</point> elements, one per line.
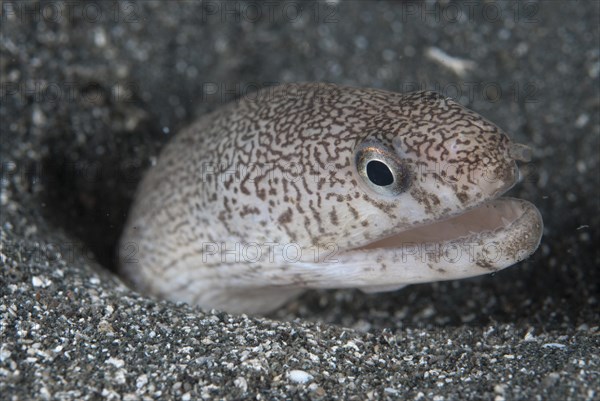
<point>88,189</point>
<point>96,152</point>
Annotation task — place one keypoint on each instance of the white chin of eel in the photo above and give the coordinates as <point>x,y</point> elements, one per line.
<point>322,186</point>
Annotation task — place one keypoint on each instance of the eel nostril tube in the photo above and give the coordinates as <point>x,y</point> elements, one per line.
<point>520,152</point>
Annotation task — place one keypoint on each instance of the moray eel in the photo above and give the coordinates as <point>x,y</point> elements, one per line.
<point>322,186</point>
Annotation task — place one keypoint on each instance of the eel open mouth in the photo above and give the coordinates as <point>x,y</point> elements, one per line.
<point>500,219</point>
<point>484,239</point>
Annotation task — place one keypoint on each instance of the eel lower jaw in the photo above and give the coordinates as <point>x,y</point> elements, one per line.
<point>489,237</point>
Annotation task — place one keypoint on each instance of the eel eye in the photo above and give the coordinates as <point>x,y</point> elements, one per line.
<point>381,169</point>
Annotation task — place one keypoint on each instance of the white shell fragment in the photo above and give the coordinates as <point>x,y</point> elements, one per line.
<point>299,376</point>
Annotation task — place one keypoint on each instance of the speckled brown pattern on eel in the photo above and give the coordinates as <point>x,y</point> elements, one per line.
<point>321,186</point>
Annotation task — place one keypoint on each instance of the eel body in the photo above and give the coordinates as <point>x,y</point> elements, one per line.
<point>321,186</point>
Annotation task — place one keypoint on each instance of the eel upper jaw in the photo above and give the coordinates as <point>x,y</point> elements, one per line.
<point>491,220</point>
